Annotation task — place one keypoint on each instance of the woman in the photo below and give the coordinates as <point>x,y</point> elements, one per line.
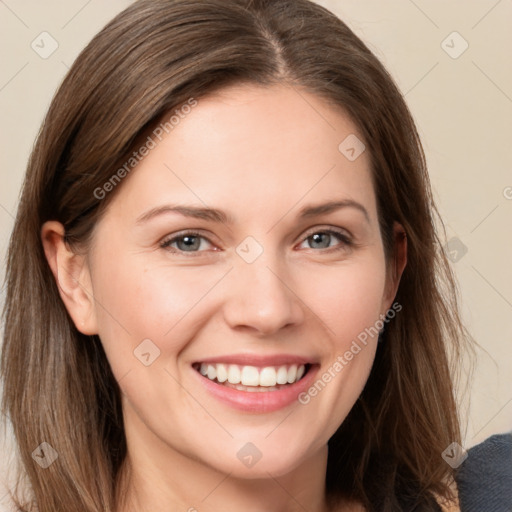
<point>224,287</point>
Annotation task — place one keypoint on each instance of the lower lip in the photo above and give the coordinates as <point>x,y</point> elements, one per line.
<point>259,401</point>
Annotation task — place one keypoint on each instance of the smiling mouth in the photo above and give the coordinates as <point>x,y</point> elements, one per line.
<point>252,378</point>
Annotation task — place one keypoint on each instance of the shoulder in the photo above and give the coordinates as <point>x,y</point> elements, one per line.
<point>484,479</point>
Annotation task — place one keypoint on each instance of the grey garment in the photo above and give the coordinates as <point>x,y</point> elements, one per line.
<point>484,479</point>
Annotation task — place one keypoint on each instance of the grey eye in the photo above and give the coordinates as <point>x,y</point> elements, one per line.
<point>188,243</point>
<point>320,240</point>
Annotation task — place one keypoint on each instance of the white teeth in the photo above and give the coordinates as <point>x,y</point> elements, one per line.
<point>282,375</point>
<point>267,377</point>
<point>292,374</point>
<point>233,374</point>
<point>250,376</point>
<point>222,373</point>
<point>252,389</point>
<point>212,372</point>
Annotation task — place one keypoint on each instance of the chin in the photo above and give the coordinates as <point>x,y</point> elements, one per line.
<point>250,462</point>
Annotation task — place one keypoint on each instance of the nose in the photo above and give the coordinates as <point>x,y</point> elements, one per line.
<point>261,298</point>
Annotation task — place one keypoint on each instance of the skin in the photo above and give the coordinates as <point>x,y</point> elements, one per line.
<point>259,154</point>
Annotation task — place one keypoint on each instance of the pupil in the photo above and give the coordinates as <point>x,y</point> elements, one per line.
<point>190,242</point>
<point>321,238</point>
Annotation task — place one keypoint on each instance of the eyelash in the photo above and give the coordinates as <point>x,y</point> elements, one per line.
<point>346,241</point>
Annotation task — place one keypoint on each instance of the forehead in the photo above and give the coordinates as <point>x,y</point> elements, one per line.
<point>249,147</point>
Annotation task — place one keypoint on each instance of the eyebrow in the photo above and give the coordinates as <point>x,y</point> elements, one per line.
<point>195,212</point>
<point>215,215</point>
<point>325,208</point>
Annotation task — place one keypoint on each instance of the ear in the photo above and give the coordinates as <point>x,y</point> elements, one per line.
<point>397,265</point>
<point>72,276</point>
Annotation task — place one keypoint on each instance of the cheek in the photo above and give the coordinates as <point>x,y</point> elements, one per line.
<point>137,301</point>
<point>348,299</point>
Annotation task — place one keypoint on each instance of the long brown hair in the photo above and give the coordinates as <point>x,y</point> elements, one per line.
<point>152,58</point>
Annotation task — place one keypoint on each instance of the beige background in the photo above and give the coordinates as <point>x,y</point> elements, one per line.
<point>462,105</point>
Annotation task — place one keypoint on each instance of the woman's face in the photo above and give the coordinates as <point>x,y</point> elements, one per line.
<point>220,247</point>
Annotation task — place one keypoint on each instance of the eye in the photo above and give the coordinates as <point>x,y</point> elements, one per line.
<point>186,242</point>
<point>194,243</point>
<point>323,239</point>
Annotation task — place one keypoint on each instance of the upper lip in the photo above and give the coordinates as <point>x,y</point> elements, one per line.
<point>259,360</point>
